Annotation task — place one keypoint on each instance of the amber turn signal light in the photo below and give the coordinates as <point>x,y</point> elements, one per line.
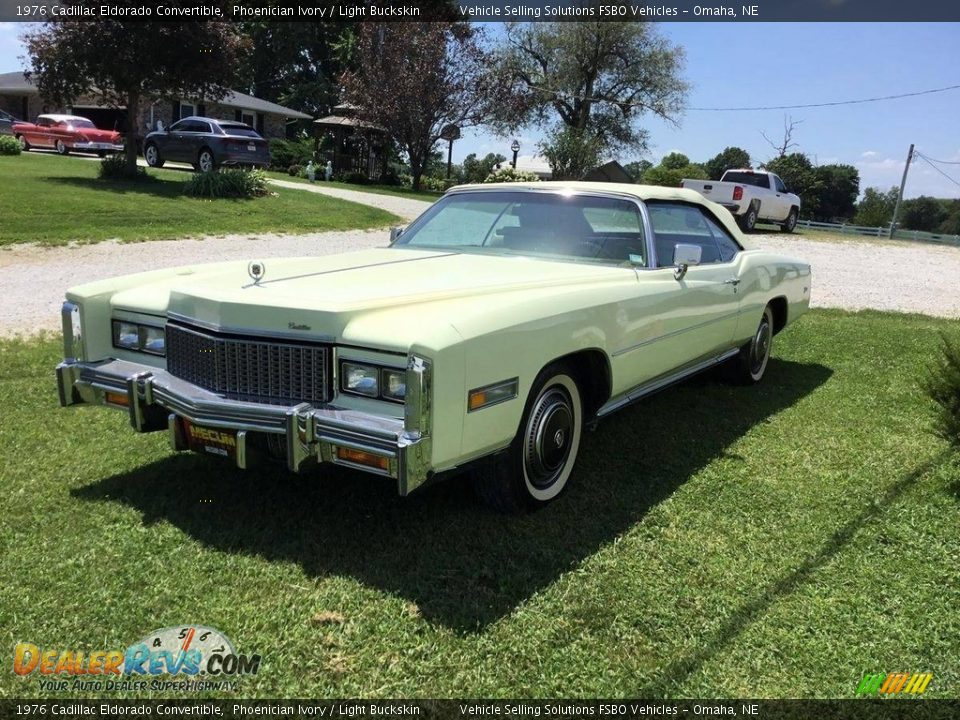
<point>361,457</point>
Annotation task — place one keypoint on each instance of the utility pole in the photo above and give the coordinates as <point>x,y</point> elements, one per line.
<point>903,181</point>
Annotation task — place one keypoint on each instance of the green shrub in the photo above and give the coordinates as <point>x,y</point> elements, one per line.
<point>230,183</point>
<point>9,145</point>
<point>114,167</point>
<point>294,170</point>
<point>437,184</point>
<point>284,153</point>
<point>351,176</point>
<point>943,387</point>
<point>509,174</point>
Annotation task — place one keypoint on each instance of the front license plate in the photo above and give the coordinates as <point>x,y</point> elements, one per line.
<point>214,441</point>
<point>252,148</point>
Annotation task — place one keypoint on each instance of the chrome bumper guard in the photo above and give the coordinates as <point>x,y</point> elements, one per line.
<point>154,399</point>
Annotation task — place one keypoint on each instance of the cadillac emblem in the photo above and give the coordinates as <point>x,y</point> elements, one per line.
<point>256,271</point>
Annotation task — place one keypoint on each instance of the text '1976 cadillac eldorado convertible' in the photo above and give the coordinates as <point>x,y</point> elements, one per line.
<point>489,333</point>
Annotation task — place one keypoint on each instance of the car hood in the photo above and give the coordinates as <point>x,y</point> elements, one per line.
<point>354,296</point>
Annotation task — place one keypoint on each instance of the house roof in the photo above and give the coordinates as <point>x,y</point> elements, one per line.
<point>17,82</point>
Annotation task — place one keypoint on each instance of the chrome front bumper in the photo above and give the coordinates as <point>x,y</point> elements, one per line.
<point>154,399</point>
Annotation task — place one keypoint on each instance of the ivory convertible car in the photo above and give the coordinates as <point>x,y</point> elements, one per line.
<point>488,334</point>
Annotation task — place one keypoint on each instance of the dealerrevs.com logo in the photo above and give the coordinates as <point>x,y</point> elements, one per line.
<point>187,657</point>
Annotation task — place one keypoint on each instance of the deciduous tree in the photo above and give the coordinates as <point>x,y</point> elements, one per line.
<point>839,186</point>
<point>126,61</point>
<point>731,157</point>
<point>414,79</point>
<point>597,79</point>
<point>876,207</point>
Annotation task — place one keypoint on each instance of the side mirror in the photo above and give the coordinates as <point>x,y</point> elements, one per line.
<point>684,256</point>
<point>395,232</point>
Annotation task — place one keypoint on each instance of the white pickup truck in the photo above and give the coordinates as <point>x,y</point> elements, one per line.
<point>751,196</point>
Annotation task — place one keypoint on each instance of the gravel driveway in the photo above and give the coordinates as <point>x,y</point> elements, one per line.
<point>854,275</point>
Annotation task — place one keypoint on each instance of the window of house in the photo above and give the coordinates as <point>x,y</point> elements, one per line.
<point>187,109</point>
<point>248,118</point>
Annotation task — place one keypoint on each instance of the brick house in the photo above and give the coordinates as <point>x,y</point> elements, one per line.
<point>20,97</point>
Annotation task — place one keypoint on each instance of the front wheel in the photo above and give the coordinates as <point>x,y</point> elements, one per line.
<point>24,145</point>
<point>151,153</point>
<point>751,363</point>
<point>791,222</point>
<point>61,148</point>
<point>536,468</point>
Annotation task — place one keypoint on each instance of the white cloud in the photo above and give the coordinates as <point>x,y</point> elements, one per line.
<point>869,154</point>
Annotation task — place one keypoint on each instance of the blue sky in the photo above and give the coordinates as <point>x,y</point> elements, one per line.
<point>749,64</point>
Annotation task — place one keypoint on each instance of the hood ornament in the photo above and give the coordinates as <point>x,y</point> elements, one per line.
<point>256,271</point>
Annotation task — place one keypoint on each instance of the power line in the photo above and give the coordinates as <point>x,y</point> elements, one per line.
<point>943,162</point>
<point>927,160</point>
<point>759,107</point>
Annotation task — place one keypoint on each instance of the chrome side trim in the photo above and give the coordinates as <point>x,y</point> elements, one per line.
<point>641,391</point>
<point>639,345</point>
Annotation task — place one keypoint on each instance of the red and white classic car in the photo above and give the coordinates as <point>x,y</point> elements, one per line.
<point>64,133</point>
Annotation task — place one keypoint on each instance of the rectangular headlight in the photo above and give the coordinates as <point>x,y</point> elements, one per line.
<point>154,340</point>
<point>393,384</point>
<point>139,337</point>
<point>360,379</point>
<point>126,335</point>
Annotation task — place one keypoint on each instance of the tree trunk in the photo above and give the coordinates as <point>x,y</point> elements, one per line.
<point>133,133</point>
<point>416,169</point>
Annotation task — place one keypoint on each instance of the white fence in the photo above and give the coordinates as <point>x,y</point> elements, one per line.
<point>881,232</point>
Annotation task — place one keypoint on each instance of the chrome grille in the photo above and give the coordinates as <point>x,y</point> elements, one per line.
<point>254,370</point>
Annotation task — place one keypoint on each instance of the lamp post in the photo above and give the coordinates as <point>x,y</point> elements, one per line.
<point>515,146</point>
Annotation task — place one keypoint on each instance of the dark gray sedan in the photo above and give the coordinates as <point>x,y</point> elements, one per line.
<point>206,144</point>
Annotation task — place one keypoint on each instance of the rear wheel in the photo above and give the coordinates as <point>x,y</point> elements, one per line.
<point>61,148</point>
<point>748,221</point>
<point>750,364</point>
<point>205,161</point>
<point>536,468</point>
<point>791,222</point>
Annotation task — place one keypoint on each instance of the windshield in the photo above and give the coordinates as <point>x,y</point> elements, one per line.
<point>563,226</point>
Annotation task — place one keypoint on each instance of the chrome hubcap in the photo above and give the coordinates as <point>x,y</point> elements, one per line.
<point>760,347</point>
<point>151,155</point>
<point>549,433</point>
<point>206,162</point>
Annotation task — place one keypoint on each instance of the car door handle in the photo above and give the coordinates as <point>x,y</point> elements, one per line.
<point>732,281</point>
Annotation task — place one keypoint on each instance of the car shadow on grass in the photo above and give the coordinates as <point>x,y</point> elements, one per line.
<point>153,185</point>
<point>463,565</point>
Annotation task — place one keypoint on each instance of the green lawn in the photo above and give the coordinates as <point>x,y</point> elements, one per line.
<point>54,200</point>
<point>425,195</point>
<point>774,541</point>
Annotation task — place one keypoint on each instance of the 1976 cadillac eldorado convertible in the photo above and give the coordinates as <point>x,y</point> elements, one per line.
<point>489,333</point>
